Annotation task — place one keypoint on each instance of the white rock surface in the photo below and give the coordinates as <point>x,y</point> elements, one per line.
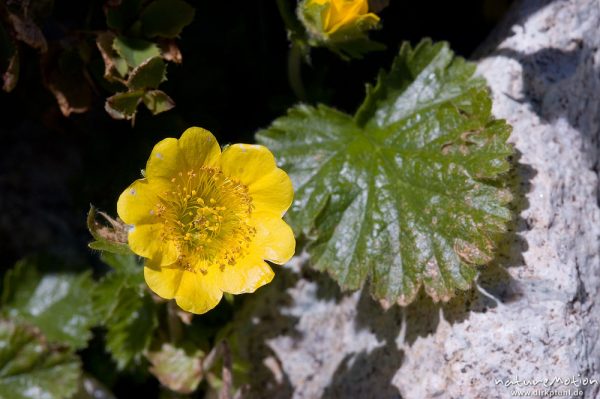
<point>534,315</point>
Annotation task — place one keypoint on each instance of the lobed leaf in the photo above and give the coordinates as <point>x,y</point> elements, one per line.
<point>409,190</point>
<point>58,303</point>
<point>31,368</point>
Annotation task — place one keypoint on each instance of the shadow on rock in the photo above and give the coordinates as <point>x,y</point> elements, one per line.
<point>260,320</point>
<point>552,86</point>
<point>367,375</point>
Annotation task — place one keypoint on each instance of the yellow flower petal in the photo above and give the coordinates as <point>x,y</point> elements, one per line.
<point>136,203</point>
<point>165,160</point>
<point>198,292</point>
<point>145,240</point>
<point>199,148</point>
<point>273,193</point>
<point>275,238</point>
<point>337,15</point>
<point>163,280</point>
<point>247,163</point>
<point>254,165</point>
<point>194,292</point>
<point>246,276</point>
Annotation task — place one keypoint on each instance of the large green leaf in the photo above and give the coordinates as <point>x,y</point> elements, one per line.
<point>58,303</point>
<point>407,192</point>
<point>31,368</point>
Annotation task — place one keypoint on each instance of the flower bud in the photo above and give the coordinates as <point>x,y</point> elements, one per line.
<point>336,21</point>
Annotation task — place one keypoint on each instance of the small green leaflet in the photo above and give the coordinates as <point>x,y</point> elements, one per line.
<point>410,190</point>
<point>177,368</point>
<point>32,368</point>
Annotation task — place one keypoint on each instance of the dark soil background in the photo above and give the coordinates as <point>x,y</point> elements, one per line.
<point>233,81</point>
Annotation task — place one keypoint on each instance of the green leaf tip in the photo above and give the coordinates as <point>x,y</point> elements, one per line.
<point>409,191</point>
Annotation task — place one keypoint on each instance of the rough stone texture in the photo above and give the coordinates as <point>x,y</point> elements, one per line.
<point>532,314</point>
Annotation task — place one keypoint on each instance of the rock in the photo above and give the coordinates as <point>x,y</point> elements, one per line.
<point>533,314</point>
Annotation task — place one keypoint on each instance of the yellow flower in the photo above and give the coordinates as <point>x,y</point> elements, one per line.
<point>330,17</point>
<point>207,220</point>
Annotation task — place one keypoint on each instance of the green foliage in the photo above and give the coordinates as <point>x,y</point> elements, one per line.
<point>146,71</point>
<point>351,41</point>
<point>157,101</point>
<point>408,192</point>
<point>58,303</point>
<point>124,306</point>
<point>148,75</point>
<point>123,105</point>
<point>177,368</point>
<point>166,18</point>
<point>32,368</point>
<point>135,51</point>
<point>123,15</point>
<point>130,327</point>
<point>127,274</point>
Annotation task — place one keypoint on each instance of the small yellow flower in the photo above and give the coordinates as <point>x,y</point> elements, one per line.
<point>328,18</point>
<point>207,220</point>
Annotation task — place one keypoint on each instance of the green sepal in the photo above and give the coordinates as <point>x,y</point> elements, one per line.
<point>108,238</point>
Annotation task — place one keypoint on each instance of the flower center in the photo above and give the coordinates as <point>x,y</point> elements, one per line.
<point>207,217</point>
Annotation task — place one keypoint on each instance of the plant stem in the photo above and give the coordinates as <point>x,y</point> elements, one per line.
<point>295,71</point>
<point>173,323</point>
<point>296,35</point>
